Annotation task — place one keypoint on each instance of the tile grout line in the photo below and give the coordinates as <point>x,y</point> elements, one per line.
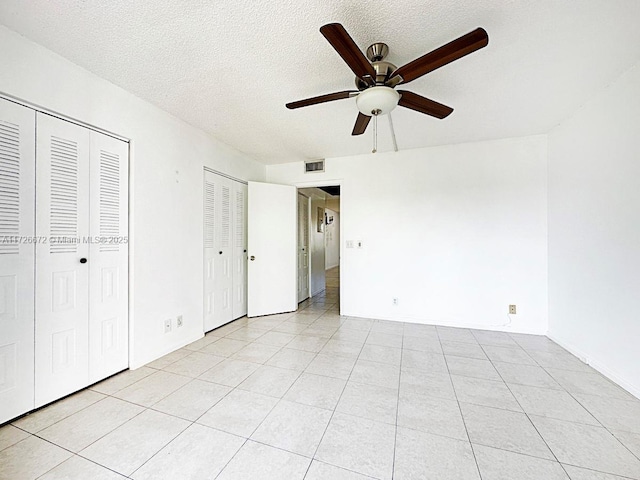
<point>336,406</point>
<point>459,407</point>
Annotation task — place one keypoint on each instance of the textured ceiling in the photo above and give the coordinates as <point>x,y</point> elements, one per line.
<point>229,67</point>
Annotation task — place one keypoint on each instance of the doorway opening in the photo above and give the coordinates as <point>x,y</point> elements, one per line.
<point>319,245</point>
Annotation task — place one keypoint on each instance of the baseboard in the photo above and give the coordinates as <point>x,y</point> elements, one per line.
<point>600,366</point>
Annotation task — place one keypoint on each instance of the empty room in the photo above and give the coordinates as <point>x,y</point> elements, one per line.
<point>338,240</point>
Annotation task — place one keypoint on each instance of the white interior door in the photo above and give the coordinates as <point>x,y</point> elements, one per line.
<point>303,247</point>
<point>239,250</point>
<point>17,210</point>
<point>108,257</point>
<point>62,270</point>
<point>272,266</point>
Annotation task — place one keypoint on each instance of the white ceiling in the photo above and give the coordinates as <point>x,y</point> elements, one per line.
<point>229,67</point>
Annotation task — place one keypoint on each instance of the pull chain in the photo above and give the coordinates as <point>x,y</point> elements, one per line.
<point>375,130</point>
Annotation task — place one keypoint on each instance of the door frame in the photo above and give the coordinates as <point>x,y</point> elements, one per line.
<point>328,183</point>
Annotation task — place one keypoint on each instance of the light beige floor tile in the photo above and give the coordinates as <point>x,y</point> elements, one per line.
<point>420,455</point>
<point>29,459</point>
<point>169,358</point>
<point>225,347</point>
<point>197,453</point>
<point>293,427</point>
<point>576,473</point>
<point>324,471</point>
<point>587,446</point>
<point>373,373</point>
<point>316,390</point>
<point>202,342</point>
<point>425,383</point>
<point>385,339</point>
<point>192,400</point>
<point>230,372</point>
<point>504,429</point>
<point>277,339</point>
<point>239,412</point>
<point>508,355</point>
<point>257,461</point>
<point>78,468</point>
<point>308,343</point>
<point>462,349</point>
<point>129,446</point>
<point>194,365</point>
<point>256,353</point>
<point>484,392</point>
<point>272,381</point>
<point>10,435</point>
<point>432,415</point>
<point>498,464</point>
<point>152,389</point>
<point>526,375</point>
<point>86,426</point>
<point>330,366</point>
<point>452,334</point>
<point>499,339</point>
<point>40,419</point>
<point>291,359</point>
<point>121,380</point>
<point>432,362</point>
<point>551,403</point>
<point>380,354</point>
<point>369,401</point>
<point>629,440</point>
<point>472,367</point>
<point>342,348</point>
<point>359,445</point>
<point>613,413</point>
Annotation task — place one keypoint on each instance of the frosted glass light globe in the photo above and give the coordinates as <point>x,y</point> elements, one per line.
<point>379,98</point>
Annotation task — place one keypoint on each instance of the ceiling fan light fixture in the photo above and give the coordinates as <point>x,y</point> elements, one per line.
<point>377,99</point>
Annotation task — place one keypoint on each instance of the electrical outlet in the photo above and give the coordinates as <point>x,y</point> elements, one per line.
<point>395,302</point>
<point>349,243</point>
<point>167,325</point>
<point>359,244</point>
<point>179,321</point>
<point>512,309</point>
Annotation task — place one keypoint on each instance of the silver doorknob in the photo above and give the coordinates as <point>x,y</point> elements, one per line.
<point>252,258</point>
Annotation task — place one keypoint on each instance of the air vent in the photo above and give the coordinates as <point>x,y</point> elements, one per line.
<point>316,166</point>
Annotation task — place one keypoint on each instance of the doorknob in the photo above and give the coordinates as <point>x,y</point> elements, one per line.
<point>83,260</point>
<point>252,258</point>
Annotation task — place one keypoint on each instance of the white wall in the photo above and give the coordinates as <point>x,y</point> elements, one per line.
<point>456,233</point>
<point>317,281</point>
<point>167,158</point>
<point>594,231</point>
<point>332,240</point>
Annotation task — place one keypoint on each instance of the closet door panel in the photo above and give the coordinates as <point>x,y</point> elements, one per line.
<point>210,187</point>
<point>239,250</point>
<point>108,257</point>
<point>62,271</point>
<point>223,270</point>
<point>17,247</point>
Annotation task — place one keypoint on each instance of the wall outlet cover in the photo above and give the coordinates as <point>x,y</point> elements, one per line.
<point>512,309</point>
<point>167,325</point>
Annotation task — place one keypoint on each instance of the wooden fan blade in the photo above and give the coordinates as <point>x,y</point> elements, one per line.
<point>460,47</point>
<point>361,124</point>
<point>321,99</point>
<point>423,105</point>
<point>349,51</point>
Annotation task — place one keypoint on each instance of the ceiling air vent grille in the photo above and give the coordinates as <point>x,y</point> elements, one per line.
<point>315,166</point>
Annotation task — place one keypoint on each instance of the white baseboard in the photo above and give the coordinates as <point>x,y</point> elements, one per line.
<point>597,364</point>
<point>133,364</point>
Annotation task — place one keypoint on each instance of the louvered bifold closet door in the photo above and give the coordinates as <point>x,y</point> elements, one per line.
<point>108,257</point>
<point>210,187</point>
<point>17,196</point>
<point>223,281</point>
<point>62,276</point>
<point>239,249</point>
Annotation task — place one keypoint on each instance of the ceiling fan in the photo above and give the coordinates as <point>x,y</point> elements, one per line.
<point>376,78</point>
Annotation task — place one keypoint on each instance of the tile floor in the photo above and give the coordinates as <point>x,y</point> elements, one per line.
<point>313,395</point>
